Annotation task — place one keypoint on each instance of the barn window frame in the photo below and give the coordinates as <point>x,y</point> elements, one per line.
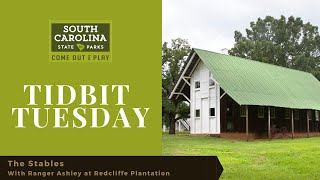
<point>287,114</point>
<point>260,112</point>
<point>243,111</point>
<point>272,112</point>
<point>210,112</point>
<point>211,83</point>
<point>197,85</point>
<point>197,113</point>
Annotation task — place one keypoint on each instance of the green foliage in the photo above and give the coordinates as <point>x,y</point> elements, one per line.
<point>259,159</point>
<point>289,42</point>
<point>173,58</point>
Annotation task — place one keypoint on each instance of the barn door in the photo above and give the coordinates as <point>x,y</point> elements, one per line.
<point>204,115</point>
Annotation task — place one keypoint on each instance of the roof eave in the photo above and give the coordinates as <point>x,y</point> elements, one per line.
<point>187,65</point>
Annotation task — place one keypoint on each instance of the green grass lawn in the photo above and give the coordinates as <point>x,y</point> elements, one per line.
<point>258,159</point>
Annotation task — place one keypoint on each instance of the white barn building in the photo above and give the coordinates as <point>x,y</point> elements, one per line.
<point>234,95</point>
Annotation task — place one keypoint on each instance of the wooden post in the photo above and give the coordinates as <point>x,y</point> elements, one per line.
<point>292,125</point>
<point>269,129</point>
<point>308,123</point>
<point>247,127</point>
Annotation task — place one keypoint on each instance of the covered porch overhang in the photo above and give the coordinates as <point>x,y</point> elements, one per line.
<point>276,122</point>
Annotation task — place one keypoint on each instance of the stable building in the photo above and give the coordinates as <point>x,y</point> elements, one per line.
<point>241,98</point>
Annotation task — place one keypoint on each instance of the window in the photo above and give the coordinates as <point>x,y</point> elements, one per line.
<point>287,114</point>
<point>211,81</point>
<point>309,115</point>
<point>296,114</point>
<point>260,112</point>
<point>212,112</point>
<point>197,84</point>
<point>243,111</point>
<point>272,112</point>
<point>317,115</point>
<point>197,112</point>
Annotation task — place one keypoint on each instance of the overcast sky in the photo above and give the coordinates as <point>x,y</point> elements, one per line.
<point>210,24</point>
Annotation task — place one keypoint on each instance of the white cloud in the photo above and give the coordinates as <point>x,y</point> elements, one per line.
<point>210,24</point>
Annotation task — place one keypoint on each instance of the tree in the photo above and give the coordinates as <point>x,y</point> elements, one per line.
<point>284,42</point>
<point>173,58</point>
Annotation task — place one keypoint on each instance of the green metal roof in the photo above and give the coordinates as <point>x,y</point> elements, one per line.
<point>251,82</point>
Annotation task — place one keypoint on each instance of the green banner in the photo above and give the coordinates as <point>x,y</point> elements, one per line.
<point>75,103</point>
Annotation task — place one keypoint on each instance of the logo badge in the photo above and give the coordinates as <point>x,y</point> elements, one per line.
<point>80,41</point>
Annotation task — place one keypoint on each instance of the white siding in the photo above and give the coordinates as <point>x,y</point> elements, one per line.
<point>203,99</point>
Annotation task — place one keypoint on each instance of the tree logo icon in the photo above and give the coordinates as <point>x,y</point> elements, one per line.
<point>80,46</point>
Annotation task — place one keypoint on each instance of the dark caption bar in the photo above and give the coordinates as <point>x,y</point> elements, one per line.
<point>110,167</point>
